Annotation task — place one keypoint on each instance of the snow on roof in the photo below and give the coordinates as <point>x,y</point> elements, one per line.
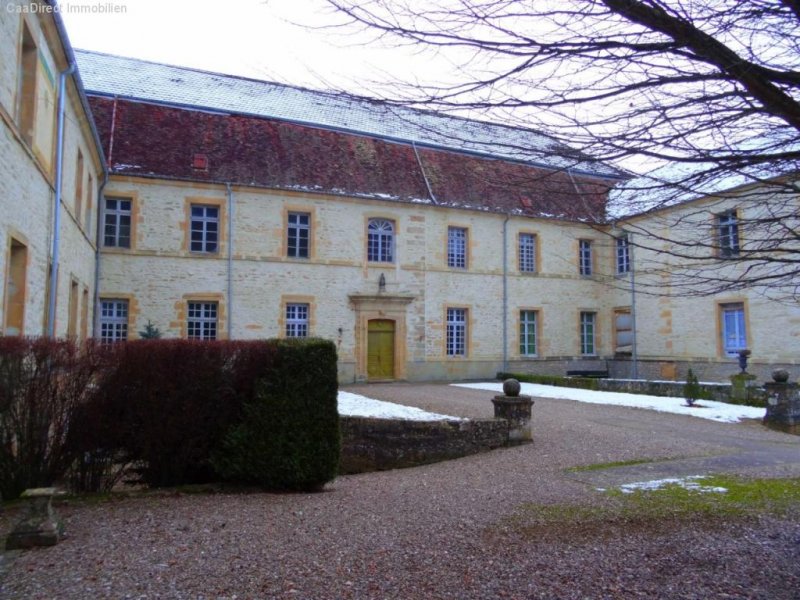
<point>142,80</point>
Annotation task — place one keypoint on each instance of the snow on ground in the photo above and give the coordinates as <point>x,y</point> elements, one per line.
<point>687,483</point>
<point>705,409</point>
<point>354,405</point>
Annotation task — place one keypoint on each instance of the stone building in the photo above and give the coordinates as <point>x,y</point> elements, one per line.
<point>425,246</point>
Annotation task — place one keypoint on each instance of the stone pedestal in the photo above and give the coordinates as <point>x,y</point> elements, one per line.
<point>783,406</point>
<point>740,386</point>
<point>517,411</point>
<point>41,525</point>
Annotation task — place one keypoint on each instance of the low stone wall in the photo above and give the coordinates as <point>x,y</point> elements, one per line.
<point>721,392</point>
<point>382,444</point>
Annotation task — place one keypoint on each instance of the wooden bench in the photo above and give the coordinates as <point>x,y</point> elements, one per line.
<point>588,368</point>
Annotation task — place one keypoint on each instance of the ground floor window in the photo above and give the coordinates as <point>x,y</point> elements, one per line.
<point>202,321</point>
<point>113,321</point>
<point>588,333</point>
<point>527,332</point>
<point>456,332</point>
<point>297,320</point>
<point>734,333</point>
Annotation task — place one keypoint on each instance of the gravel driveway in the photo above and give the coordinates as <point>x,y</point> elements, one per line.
<point>445,530</point>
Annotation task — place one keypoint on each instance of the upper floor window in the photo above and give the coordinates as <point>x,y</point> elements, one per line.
<point>298,234</point>
<point>527,252</point>
<point>117,223</point>
<point>527,332</point>
<point>456,332</point>
<point>202,321</point>
<point>204,228</point>
<point>728,234</point>
<point>623,255</point>
<point>113,320</point>
<point>588,333</point>
<point>26,90</point>
<point>380,241</point>
<point>734,333</point>
<point>457,247</point>
<point>297,320</point>
<point>585,257</point>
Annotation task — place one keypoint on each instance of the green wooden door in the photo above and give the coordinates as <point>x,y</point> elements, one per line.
<point>380,350</point>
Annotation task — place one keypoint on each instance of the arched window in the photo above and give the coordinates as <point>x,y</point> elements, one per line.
<point>380,241</point>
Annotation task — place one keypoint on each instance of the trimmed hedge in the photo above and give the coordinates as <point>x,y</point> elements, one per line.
<point>585,383</point>
<point>289,435</point>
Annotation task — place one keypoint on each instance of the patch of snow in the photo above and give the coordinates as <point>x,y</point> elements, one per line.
<point>705,409</point>
<point>687,483</point>
<point>355,405</point>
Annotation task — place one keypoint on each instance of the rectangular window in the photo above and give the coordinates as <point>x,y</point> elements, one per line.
<point>588,333</point>
<point>623,331</point>
<point>204,228</point>
<point>527,332</point>
<point>87,217</point>
<point>623,255</point>
<point>202,321</point>
<point>297,235</point>
<point>113,320</point>
<point>728,234</point>
<point>527,252</point>
<point>26,101</point>
<point>117,223</point>
<point>79,187</point>
<point>585,257</point>
<point>297,320</point>
<point>734,334</point>
<point>457,247</point>
<point>456,332</point>
<point>15,283</point>
<point>380,240</point>
<point>72,314</point>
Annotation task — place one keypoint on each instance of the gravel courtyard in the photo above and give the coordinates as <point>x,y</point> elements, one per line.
<point>449,530</point>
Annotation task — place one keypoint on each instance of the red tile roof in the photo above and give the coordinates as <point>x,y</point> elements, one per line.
<point>155,140</point>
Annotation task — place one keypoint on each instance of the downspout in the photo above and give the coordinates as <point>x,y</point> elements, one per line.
<point>505,294</point>
<point>635,368</point>
<point>230,260</point>
<point>101,209</point>
<point>51,301</point>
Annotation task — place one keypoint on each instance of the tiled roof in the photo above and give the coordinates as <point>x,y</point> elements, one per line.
<point>105,74</point>
<point>155,140</point>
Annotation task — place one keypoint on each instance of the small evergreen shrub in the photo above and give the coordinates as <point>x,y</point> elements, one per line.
<point>691,390</point>
<point>150,332</point>
<point>288,438</point>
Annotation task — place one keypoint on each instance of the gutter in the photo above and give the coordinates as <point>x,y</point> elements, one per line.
<point>101,210</point>
<point>55,251</point>
<point>505,294</point>
<point>230,260</point>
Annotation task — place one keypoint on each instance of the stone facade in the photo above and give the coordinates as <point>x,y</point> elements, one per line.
<point>256,180</point>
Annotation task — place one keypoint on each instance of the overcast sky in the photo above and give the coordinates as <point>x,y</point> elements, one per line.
<point>265,39</point>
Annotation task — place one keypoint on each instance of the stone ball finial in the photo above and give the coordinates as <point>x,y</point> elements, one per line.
<point>780,375</point>
<point>511,387</point>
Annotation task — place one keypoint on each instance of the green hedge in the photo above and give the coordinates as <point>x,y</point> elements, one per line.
<point>289,435</point>
<point>585,383</point>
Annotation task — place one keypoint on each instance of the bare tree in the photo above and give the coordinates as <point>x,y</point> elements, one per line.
<point>705,92</point>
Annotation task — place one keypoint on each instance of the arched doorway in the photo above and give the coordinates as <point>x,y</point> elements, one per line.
<point>380,349</point>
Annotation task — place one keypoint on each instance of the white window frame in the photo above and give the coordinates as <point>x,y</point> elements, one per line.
<point>623,255</point>
<point>298,235</point>
<point>380,240</point>
<point>733,328</point>
<point>585,257</point>
<point>206,225</point>
<point>527,252</point>
<point>297,319</point>
<point>113,320</point>
<point>201,320</point>
<point>588,333</point>
<point>116,218</point>
<point>528,332</point>
<point>456,342</point>
<point>728,234</point>
<point>457,247</point>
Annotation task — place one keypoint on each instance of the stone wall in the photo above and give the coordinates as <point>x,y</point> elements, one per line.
<point>382,444</point>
